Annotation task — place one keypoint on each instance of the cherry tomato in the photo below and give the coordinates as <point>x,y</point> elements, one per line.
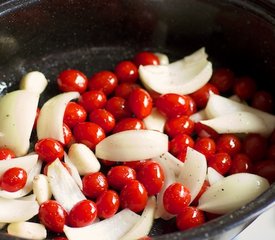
<point>266,169</point>
<point>104,81</point>
<point>176,197</point>
<point>72,80</point>
<point>123,90</point>
<point>74,113</point>
<point>151,175</point>
<point>118,107</point>
<point>245,87</point>
<point>129,124</point>
<point>140,103</point>
<point>88,133</point>
<point>13,179</point>
<point>180,143</point>
<point>68,135</point>
<point>49,149</point>
<point>107,204</point>
<point>204,131</point>
<point>103,118</point>
<point>119,176</point>
<point>271,152</point>
<point>133,196</point>
<point>228,143</point>
<point>136,165</point>
<point>191,105</point>
<point>223,79</point>
<point>263,100</point>
<point>190,217</point>
<point>173,105</point>
<point>240,163</point>
<point>205,146</point>
<point>52,215</point>
<point>92,100</point>
<point>146,58</point>
<point>126,71</point>
<point>6,153</point>
<point>83,213</point>
<point>204,187</point>
<point>221,162</point>
<point>255,146</point>
<point>60,238</point>
<point>201,96</point>
<point>179,125</point>
<point>94,184</point>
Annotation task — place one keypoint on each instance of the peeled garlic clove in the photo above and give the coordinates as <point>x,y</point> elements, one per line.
<point>238,122</point>
<point>193,173</point>
<point>41,188</point>
<point>213,176</point>
<point>184,76</point>
<point>232,192</point>
<point>145,223</point>
<point>50,120</point>
<point>83,158</point>
<point>155,121</point>
<point>29,230</point>
<point>111,228</point>
<point>17,115</point>
<point>34,81</point>
<point>132,145</point>
<point>163,58</point>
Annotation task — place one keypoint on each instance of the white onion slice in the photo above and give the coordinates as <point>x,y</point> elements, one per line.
<point>13,210</point>
<point>17,115</point>
<point>132,145</point>
<point>63,186</point>
<point>238,122</point>
<point>194,172</point>
<point>163,58</point>
<point>155,121</point>
<point>145,223</point>
<point>109,229</point>
<point>198,116</point>
<point>232,192</point>
<point>41,188</point>
<point>29,230</point>
<point>34,81</point>
<point>50,120</point>
<point>213,176</point>
<point>83,158</point>
<point>218,106</point>
<point>30,197</point>
<point>184,76</point>
<point>74,171</point>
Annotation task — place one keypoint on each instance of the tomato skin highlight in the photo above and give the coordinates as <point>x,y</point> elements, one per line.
<point>221,162</point>
<point>107,204</point>
<point>6,153</point>
<point>228,143</point>
<point>13,179</point>
<point>205,146</point>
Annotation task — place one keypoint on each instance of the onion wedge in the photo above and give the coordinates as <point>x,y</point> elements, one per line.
<point>34,81</point>
<point>144,224</point>
<point>132,145</point>
<point>184,76</point>
<point>109,229</point>
<point>17,115</point>
<point>163,58</point>
<point>232,192</point>
<point>155,121</point>
<point>194,172</point>
<point>213,176</point>
<point>74,172</point>
<point>12,210</point>
<point>63,186</point>
<point>50,120</point>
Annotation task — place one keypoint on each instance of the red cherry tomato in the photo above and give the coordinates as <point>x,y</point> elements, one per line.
<point>123,90</point>
<point>133,196</point>
<point>49,149</point>
<point>263,100</point>
<point>175,198</point>
<point>103,118</point>
<point>118,107</point>
<point>83,213</point>
<point>228,143</point>
<point>72,80</point>
<point>60,238</point>
<point>271,152</point>
<point>135,164</point>
<point>265,169</point>
<point>94,184</point>
<point>180,143</point>
<point>173,105</point>
<point>201,96</point>
<point>6,153</point>
<point>191,105</point>
<point>119,176</point>
<point>107,204</point>
<point>223,79</point>
<point>13,179</point>
<point>68,135</point>
<point>240,163</point>
<point>140,103</point>
<point>104,81</point>
<point>221,162</point>
<point>204,131</point>
<point>126,71</point>
<point>179,125</point>
<point>88,133</point>
<point>129,124</point>
<point>145,58</point>
<point>92,100</point>
<point>205,146</point>
<point>52,215</point>
<point>74,113</point>
<point>190,217</point>
<point>245,88</point>
<point>151,175</point>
